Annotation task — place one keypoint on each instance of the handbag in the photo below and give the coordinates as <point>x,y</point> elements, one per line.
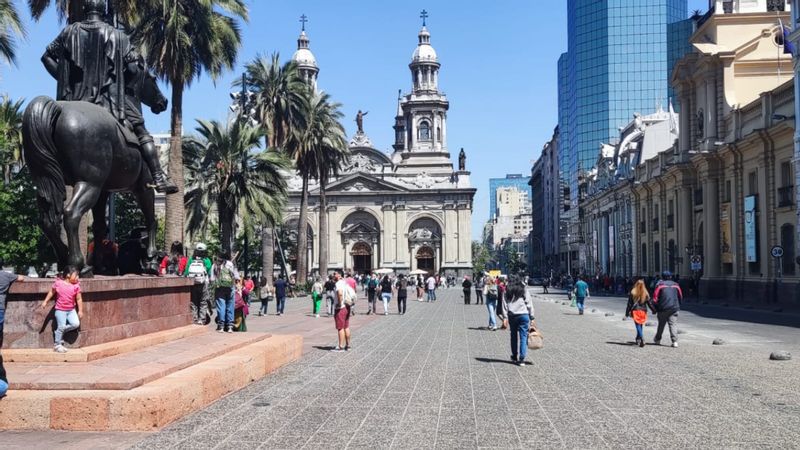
<point>574,302</point>
<point>535,338</point>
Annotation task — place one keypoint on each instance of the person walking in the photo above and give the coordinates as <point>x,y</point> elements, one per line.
<point>581,294</point>
<point>402,293</point>
<point>372,288</point>
<point>316,296</point>
<point>466,285</point>
<point>330,294</point>
<point>480,284</point>
<point>518,312</point>
<point>345,297</point>
<point>491,303</point>
<point>420,288</point>
<point>223,278</point>
<point>667,299</point>
<point>202,306</point>
<point>69,305</point>
<point>386,294</point>
<point>431,285</point>
<point>280,294</point>
<point>638,302</point>
<point>265,294</point>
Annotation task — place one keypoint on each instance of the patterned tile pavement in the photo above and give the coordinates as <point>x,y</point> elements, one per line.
<point>434,379</point>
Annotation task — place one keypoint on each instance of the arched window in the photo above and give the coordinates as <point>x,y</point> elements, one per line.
<point>657,257</point>
<point>424,131</point>
<point>671,250</point>
<point>644,259</point>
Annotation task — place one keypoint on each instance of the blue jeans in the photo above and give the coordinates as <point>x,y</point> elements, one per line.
<point>491,305</point>
<point>225,309</point>
<point>431,295</point>
<point>66,321</point>
<point>386,297</point>
<point>281,304</point>
<point>579,301</point>
<point>3,388</point>
<point>639,331</point>
<point>519,325</point>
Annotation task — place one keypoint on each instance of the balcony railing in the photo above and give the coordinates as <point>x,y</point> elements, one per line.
<point>670,221</point>
<point>785,196</point>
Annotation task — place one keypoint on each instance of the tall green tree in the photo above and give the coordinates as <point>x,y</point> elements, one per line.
<point>181,39</point>
<point>225,172</point>
<point>328,151</point>
<point>278,95</point>
<point>72,10</point>
<point>22,244</point>
<point>10,135</point>
<point>11,29</point>
<point>480,257</point>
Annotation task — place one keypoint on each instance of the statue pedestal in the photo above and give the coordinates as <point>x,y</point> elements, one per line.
<point>115,308</point>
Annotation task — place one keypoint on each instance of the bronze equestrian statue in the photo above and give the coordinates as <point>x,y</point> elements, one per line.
<point>92,137</point>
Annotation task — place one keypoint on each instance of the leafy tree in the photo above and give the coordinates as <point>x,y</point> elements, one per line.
<point>278,95</point>
<point>72,10</point>
<point>22,242</point>
<point>10,135</point>
<point>10,29</point>
<point>225,173</point>
<point>181,39</point>
<point>480,257</point>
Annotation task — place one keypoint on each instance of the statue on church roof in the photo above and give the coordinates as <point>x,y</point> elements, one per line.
<point>462,160</point>
<point>360,121</point>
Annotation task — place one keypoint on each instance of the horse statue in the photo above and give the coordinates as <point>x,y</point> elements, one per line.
<point>82,145</point>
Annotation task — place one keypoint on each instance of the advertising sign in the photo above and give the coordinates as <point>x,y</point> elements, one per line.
<point>750,229</point>
<point>725,230</point>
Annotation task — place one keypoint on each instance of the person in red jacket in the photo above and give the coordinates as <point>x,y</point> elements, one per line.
<point>175,262</point>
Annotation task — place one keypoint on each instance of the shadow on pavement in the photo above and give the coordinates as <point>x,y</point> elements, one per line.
<point>494,360</point>
<point>625,344</point>
<point>326,348</point>
<point>477,328</point>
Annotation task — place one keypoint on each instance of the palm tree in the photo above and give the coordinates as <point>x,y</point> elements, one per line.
<point>224,172</point>
<point>181,39</point>
<point>315,143</point>
<point>72,10</point>
<point>10,28</point>
<point>10,135</point>
<point>331,152</point>
<point>278,93</point>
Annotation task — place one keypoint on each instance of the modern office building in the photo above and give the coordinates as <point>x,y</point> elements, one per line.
<point>618,62</point>
<point>512,180</point>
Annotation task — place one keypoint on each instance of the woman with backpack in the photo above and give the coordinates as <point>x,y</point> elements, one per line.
<point>372,288</point>
<point>518,312</point>
<point>223,279</point>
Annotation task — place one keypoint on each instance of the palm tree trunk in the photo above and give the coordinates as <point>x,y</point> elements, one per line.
<point>323,228</point>
<point>225,228</point>
<point>267,253</point>
<point>302,235</point>
<point>175,208</point>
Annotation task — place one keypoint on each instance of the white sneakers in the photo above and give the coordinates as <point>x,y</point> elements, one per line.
<point>674,345</point>
<point>60,349</point>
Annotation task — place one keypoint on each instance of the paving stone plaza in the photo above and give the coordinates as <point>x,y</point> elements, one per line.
<point>434,379</point>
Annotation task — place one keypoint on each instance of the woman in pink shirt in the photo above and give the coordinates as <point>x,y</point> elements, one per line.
<point>67,291</point>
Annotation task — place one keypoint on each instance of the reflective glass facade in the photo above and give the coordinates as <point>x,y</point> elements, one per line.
<point>617,63</point>
<point>515,180</point>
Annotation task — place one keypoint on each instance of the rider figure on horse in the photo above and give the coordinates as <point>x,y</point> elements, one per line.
<point>96,62</point>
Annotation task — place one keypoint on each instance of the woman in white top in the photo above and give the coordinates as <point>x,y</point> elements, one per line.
<point>518,312</point>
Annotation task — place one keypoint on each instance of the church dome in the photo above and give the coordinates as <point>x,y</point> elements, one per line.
<point>303,56</point>
<point>424,51</point>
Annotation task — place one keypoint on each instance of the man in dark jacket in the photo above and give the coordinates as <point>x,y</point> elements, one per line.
<point>667,298</point>
<point>467,286</point>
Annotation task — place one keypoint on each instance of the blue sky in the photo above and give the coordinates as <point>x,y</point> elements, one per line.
<point>498,70</point>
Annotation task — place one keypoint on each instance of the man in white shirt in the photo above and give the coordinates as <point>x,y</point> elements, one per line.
<point>431,282</point>
<point>341,314</point>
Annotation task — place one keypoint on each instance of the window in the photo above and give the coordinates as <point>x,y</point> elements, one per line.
<point>671,214</point>
<point>671,255</point>
<point>657,257</point>
<point>727,196</point>
<point>786,174</point>
<point>752,183</point>
<point>424,131</point>
<point>644,258</point>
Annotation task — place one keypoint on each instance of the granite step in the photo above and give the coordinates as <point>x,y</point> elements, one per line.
<point>129,370</point>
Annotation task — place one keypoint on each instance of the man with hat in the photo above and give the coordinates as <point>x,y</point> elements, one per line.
<point>667,299</point>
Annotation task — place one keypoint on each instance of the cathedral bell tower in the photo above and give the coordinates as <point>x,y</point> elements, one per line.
<point>305,60</point>
<point>421,122</point>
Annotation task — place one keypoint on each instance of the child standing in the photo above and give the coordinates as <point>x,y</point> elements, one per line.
<point>67,291</point>
<point>316,296</point>
<point>638,302</point>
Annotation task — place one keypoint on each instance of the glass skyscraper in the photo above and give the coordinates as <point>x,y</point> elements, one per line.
<point>618,62</point>
<point>512,180</point>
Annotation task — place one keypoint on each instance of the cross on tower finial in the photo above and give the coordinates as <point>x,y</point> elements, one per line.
<point>303,20</point>
<point>423,15</point>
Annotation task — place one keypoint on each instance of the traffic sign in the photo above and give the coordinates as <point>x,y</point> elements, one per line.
<point>697,263</point>
<point>777,251</point>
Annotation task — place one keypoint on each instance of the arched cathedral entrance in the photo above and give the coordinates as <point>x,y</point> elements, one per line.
<point>425,259</point>
<point>362,257</point>
<point>361,241</point>
<point>425,245</point>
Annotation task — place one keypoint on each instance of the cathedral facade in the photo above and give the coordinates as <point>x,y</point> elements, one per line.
<point>408,210</point>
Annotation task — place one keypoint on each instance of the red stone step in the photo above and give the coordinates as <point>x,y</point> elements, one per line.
<point>129,370</point>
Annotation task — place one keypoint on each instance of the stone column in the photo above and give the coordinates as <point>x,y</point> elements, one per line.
<point>711,108</point>
<point>386,245</point>
<point>449,240</point>
<point>444,130</point>
<point>685,131</point>
<point>685,210</point>
<point>400,239</point>
<point>711,227</point>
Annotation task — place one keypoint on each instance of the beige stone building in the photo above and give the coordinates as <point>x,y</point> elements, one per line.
<point>405,210</point>
<point>724,193</point>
